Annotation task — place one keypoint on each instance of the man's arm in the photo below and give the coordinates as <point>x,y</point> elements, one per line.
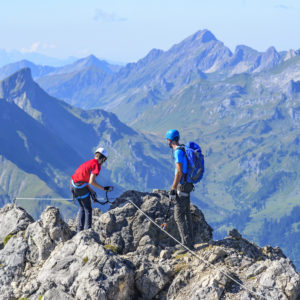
<point>94,183</point>
<point>178,176</point>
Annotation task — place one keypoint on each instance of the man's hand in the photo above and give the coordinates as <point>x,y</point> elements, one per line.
<point>172,195</point>
<point>108,188</point>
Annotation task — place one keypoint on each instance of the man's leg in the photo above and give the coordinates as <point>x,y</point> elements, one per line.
<point>88,212</point>
<point>179,216</point>
<point>189,221</point>
<point>81,216</point>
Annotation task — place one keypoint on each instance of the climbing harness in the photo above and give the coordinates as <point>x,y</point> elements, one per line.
<point>195,254</point>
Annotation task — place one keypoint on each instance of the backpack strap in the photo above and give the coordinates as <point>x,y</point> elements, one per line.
<point>182,148</point>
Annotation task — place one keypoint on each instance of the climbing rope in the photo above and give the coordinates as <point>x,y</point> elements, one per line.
<point>43,199</point>
<point>107,200</point>
<point>195,254</point>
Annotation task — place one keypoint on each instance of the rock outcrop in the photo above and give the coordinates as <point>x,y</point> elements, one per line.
<point>125,256</point>
<point>12,220</point>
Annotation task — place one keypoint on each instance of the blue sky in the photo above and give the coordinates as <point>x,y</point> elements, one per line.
<point>126,30</point>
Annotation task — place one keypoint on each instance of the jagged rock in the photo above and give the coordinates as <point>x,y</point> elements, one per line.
<point>56,294</point>
<point>84,269</point>
<point>234,234</point>
<point>216,254</point>
<point>12,264</point>
<point>124,256</point>
<point>44,234</point>
<point>128,229</point>
<point>12,220</point>
<point>201,286</point>
<point>150,280</point>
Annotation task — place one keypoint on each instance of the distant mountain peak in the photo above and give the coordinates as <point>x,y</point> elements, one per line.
<point>91,58</point>
<point>271,49</point>
<point>93,61</point>
<point>88,60</point>
<point>203,36</point>
<point>290,54</point>
<point>20,80</point>
<point>243,48</point>
<point>152,55</point>
<point>20,77</point>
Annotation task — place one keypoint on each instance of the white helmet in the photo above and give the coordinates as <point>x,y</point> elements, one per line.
<point>102,151</point>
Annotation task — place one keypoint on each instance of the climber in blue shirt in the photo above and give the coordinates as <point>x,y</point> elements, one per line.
<point>180,191</point>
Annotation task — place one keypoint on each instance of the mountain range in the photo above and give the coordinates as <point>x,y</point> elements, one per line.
<point>43,140</point>
<point>242,107</point>
<point>67,82</point>
<point>12,56</point>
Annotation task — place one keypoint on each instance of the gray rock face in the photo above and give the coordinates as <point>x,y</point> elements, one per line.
<point>125,256</point>
<point>83,269</point>
<point>43,236</point>
<point>12,265</point>
<point>130,230</point>
<point>12,220</point>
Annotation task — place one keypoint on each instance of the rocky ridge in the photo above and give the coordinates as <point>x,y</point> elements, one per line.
<point>124,256</point>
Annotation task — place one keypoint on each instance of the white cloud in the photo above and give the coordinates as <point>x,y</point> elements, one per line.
<point>101,15</point>
<point>32,48</point>
<point>36,46</point>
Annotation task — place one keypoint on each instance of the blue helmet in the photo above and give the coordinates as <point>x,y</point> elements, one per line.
<point>172,134</point>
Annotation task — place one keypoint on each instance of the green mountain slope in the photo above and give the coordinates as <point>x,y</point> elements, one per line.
<point>248,126</point>
<point>46,138</point>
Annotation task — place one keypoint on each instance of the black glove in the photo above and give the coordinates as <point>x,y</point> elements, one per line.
<point>94,196</point>
<point>108,188</point>
<point>172,195</point>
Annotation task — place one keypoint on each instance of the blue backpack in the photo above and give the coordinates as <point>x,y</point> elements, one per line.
<point>195,160</point>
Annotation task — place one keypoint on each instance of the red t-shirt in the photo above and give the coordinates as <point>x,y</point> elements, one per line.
<point>84,171</point>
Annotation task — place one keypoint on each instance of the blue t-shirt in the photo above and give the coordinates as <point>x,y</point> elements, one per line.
<point>179,157</point>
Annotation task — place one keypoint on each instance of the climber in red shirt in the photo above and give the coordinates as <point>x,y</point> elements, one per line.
<point>82,179</point>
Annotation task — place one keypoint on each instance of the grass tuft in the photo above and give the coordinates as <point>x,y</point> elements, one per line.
<point>7,238</point>
<point>113,248</point>
<point>85,260</point>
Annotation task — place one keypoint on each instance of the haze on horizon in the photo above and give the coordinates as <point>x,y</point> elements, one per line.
<point>126,31</point>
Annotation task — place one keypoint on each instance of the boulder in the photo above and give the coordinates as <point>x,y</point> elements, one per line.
<point>83,269</point>
<point>43,235</point>
<point>12,265</point>
<point>128,229</point>
<point>12,220</point>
